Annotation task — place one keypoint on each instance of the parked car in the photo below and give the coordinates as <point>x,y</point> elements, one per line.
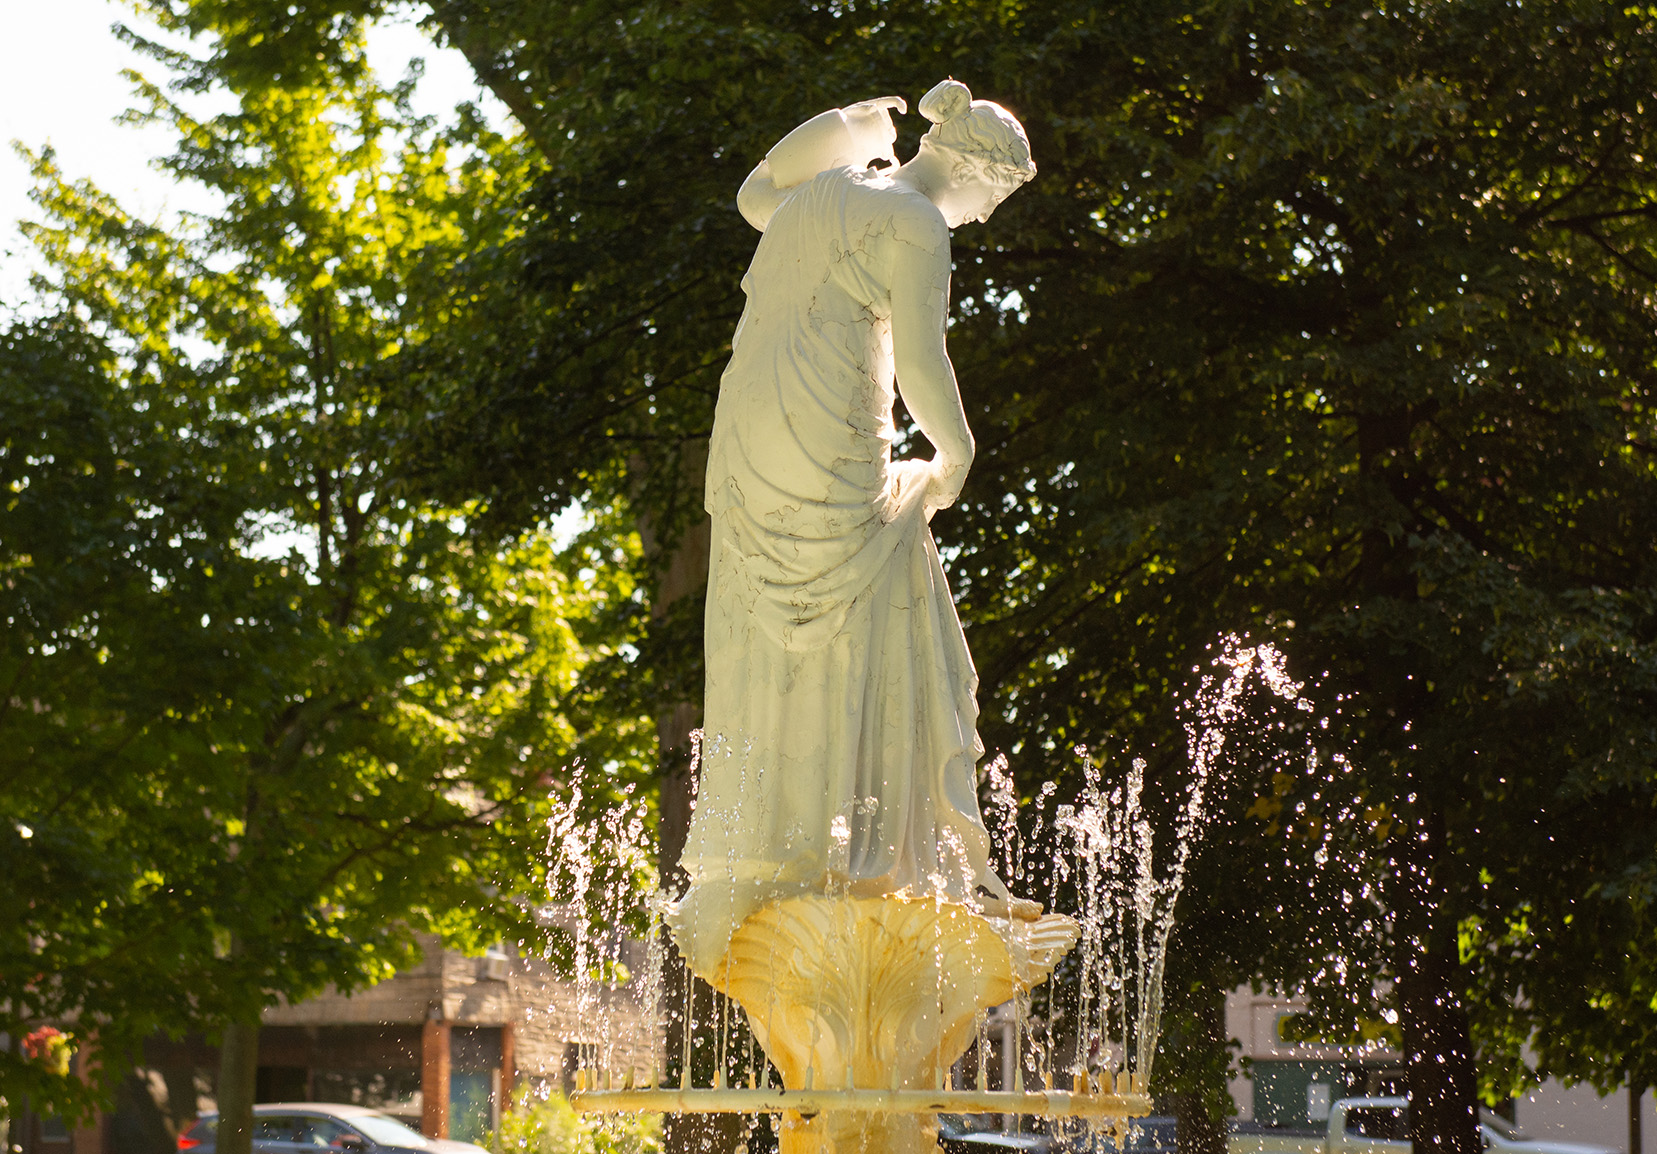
<point>1382,1126</point>
<point>1500,1134</point>
<point>1151,1135</point>
<point>295,1127</point>
<point>984,1134</point>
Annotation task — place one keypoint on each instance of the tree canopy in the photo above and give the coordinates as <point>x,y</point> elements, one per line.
<point>1327,322</point>
<point>269,712</point>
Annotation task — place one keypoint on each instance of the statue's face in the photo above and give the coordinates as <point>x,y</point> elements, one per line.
<point>986,196</point>
<point>973,193</point>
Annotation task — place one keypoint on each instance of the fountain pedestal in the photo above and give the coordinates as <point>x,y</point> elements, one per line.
<point>876,993</point>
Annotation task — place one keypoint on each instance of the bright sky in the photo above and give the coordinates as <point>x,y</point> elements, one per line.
<point>61,84</point>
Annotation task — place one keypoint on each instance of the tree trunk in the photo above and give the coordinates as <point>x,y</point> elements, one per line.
<point>693,1007</point>
<point>694,1015</point>
<point>1200,1103</point>
<point>1635,1138</point>
<point>1438,1050</point>
<point>492,63</point>
<point>1196,1129</point>
<point>691,1004</point>
<point>238,1068</point>
<point>684,575</point>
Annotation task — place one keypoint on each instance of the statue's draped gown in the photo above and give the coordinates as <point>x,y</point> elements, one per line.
<point>840,741</point>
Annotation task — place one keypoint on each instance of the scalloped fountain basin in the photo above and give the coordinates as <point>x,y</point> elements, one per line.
<point>863,1004</point>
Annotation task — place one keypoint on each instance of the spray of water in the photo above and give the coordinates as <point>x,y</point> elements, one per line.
<point>601,892</point>
<point>1105,859</point>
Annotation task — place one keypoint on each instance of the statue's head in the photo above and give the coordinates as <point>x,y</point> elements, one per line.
<point>986,145</point>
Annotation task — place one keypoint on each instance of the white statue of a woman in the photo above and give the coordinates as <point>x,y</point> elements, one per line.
<point>840,720</point>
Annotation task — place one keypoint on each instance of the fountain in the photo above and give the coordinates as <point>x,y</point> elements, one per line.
<point>861,1006</point>
<point>841,886</point>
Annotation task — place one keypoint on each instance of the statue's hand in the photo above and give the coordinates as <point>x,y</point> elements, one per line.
<point>944,483</point>
<point>937,483</point>
<point>871,128</point>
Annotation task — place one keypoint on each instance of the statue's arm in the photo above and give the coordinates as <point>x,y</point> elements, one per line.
<point>759,197</point>
<point>841,136</point>
<point>925,378</point>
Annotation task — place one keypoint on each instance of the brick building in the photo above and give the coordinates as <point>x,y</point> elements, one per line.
<point>442,1045</point>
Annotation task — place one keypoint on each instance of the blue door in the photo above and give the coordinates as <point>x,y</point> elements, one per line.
<point>471,1104</point>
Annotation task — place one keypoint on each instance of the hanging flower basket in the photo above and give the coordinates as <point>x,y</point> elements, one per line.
<point>51,1048</point>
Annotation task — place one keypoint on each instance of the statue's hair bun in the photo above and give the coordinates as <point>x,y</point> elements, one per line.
<point>947,100</point>
<point>978,129</point>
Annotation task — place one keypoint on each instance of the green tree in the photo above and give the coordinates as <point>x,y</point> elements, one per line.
<point>269,713</point>
<point>1328,322</point>
<point>1570,987</point>
<point>102,600</point>
<point>1362,337</point>
<point>1324,321</point>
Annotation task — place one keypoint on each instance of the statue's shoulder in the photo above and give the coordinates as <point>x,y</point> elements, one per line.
<point>910,217</point>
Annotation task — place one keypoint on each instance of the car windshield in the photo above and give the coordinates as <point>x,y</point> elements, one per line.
<point>1503,1128</point>
<point>387,1131</point>
<point>1388,1123</point>
<point>967,1123</point>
